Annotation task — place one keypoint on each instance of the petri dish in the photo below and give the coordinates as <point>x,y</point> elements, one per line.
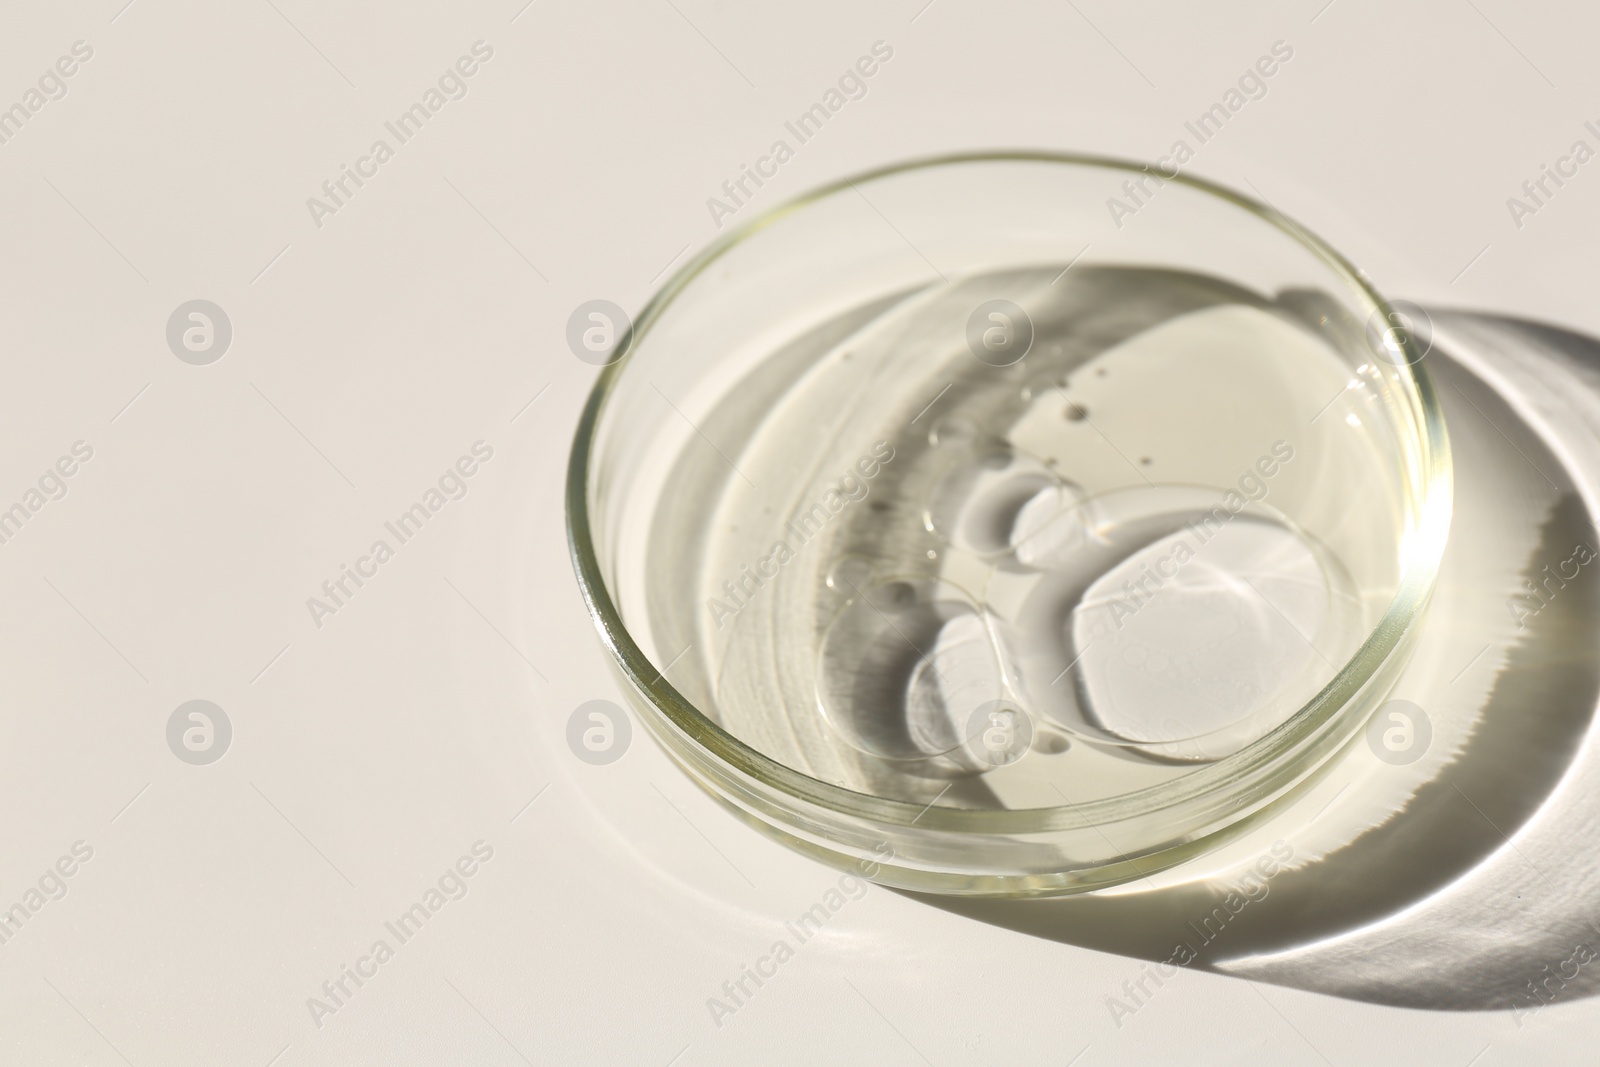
<point>948,533</point>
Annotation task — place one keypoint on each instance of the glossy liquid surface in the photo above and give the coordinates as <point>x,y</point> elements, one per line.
<point>909,565</point>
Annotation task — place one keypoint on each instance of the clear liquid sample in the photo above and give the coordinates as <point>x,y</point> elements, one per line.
<point>1138,549</point>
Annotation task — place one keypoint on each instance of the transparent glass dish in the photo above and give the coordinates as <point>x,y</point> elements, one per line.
<point>945,531</point>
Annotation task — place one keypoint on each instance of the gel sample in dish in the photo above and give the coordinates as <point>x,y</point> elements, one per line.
<point>1015,582</point>
<point>951,534</point>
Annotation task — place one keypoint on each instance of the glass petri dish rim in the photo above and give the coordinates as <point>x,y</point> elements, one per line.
<point>1248,771</point>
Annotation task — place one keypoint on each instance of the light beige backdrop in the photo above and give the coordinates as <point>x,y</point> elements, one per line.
<point>419,730</point>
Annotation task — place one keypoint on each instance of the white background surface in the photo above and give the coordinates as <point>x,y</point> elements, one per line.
<point>372,351</point>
